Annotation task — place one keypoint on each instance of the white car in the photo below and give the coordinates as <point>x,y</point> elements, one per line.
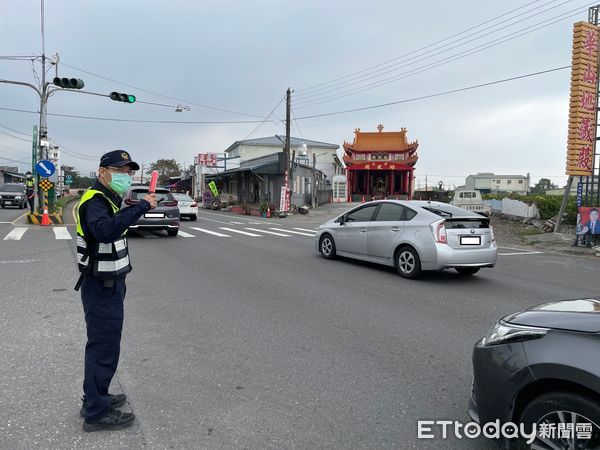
<point>187,206</point>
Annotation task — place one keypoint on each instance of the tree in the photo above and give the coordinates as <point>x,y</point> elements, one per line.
<point>166,169</point>
<point>78,181</point>
<point>542,186</point>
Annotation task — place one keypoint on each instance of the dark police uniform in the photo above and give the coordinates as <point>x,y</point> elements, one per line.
<point>103,260</point>
<point>29,192</point>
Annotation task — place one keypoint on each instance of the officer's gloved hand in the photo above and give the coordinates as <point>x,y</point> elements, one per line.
<point>151,198</point>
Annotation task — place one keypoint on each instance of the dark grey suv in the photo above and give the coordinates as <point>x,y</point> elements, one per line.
<point>164,217</point>
<point>13,194</point>
<point>541,368</point>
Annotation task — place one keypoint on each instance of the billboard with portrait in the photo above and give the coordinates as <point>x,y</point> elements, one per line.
<point>587,220</point>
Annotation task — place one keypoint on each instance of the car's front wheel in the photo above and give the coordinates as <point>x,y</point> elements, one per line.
<point>557,411</point>
<point>466,271</point>
<point>327,246</point>
<point>173,232</point>
<point>408,263</point>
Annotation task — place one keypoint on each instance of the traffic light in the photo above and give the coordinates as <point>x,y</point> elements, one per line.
<point>118,97</point>
<point>68,83</point>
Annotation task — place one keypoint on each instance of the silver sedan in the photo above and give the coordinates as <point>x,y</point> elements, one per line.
<point>412,236</point>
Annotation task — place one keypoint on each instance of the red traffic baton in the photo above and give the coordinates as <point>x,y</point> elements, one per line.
<point>153,180</point>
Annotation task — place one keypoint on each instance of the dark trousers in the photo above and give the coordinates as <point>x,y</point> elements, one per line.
<point>103,308</point>
<point>31,201</point>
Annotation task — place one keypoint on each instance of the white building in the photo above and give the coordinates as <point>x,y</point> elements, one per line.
<point>488,182</point>
<point>324,153</point>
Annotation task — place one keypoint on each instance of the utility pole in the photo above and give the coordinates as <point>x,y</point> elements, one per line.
<point>289,157</point>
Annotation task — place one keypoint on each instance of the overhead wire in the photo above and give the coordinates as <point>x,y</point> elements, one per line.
<point>443,61</point>
<point>387,64</point>
<point>265,119</point>
<point>438,94</point>
<point>158,93</point>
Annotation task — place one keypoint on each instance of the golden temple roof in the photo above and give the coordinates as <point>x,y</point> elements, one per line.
<point>381,141</point>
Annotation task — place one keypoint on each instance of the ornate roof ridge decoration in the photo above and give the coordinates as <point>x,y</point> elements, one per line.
<point>373,141</point>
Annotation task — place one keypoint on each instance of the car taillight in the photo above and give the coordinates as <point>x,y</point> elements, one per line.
<point>194,205</point>
<point>130,202</point>
<point>173,203</point>
<point>492,234</point>
<point>439,232</point>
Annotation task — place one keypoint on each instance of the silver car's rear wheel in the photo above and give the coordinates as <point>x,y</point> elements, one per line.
<point>408,263</point>
<point>327,247</point>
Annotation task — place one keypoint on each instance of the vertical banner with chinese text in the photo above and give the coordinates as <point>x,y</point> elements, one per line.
<point>582,109</point>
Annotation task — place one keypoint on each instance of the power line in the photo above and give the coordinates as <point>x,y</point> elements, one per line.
<point>159,94</point>
<point>440,62</point>
<point>265,119</point>
<point>113,119</point>
<point>15,137</point>
<point>438,94</point>
<point>385,63</point>
<point>14,131</point>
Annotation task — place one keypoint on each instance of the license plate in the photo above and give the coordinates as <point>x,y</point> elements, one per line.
<point>154,215</point>
<point>470,240</point>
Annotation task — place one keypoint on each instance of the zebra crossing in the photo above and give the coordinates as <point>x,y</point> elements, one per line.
<point>63,233</point>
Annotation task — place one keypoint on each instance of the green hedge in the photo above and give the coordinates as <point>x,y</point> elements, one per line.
<point>548,205</point>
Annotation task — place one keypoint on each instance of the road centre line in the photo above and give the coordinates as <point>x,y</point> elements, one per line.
<point>240,232</point>
<point>61,233</point>
<point>16,234</point>
<point>520,253</point>
<point>290,231</point>
<point>214,233</point>
<point>267,232</point>
<point>514,248</point>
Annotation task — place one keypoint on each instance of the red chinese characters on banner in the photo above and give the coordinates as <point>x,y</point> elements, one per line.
<point>590,45</point>
<point>207,159</point>
<point>584,101</point>
<point>586,130</point>
<point>585,158</point>
<point>589,76</point>
<point>588,101</point>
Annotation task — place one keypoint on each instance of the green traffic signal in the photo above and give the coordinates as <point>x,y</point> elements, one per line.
<point>125,98</point>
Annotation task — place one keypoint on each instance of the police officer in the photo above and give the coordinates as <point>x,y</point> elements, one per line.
<point>103,259</point>
<point>30,190</point>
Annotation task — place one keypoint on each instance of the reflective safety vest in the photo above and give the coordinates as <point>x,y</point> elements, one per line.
<point>30,183</point>
<point>101,260</point>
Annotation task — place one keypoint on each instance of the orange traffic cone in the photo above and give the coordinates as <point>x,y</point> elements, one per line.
<point>45,218</point>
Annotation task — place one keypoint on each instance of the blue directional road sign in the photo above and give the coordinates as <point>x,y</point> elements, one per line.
<point>45,168</point>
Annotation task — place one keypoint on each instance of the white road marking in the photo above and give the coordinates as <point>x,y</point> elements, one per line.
<point>240,232</point>
<point>214,233</point>
<point>61,233</point>
<point>184,234</point>
<point>520,253</point>
<point>304,229</point>
<point>251,221</point>
<point>20,261</point>
<point>268,232</point>
<point>294,232</point>
<point>16,234</point>
<point>514,248</point>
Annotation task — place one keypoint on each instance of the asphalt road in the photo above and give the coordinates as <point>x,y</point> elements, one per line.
<point>242,341</point>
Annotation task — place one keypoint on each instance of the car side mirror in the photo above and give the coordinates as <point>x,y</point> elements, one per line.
<point>341,220</point>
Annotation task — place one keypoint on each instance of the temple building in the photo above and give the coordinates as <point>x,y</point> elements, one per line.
<point>380,165</point>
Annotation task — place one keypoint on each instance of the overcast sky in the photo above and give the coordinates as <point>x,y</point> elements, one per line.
<point>242,55</point>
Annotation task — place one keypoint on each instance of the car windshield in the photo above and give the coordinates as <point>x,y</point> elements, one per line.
<point>12,188</point>
<point>160,195</point>
<point>183,197</point>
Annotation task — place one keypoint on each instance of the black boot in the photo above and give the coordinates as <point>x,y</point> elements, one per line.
<point>112,420</point>
<point>116,401</point>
